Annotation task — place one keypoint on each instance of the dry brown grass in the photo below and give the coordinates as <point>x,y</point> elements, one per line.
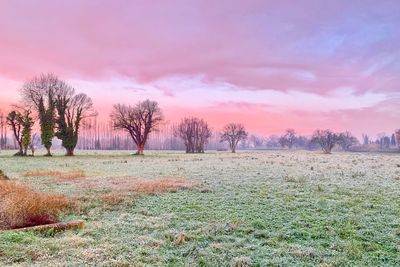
<point>122,189</point>
<point>180,239</point>
<point>3,176</point>
<point>22,207</point>
<point>61,176</point>
<point>141,186</point>
<point>112,198</point>
<point>161,185</point>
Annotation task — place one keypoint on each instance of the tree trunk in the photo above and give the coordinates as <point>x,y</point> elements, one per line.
<point>20,152</point>
<point>327,150</point>
<point>140,150</point>
<point>48,152</point>
<point>70,152</point>
<point>233,147</point>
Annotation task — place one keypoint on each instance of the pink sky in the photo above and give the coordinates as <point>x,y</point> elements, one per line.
<point>268,64</point>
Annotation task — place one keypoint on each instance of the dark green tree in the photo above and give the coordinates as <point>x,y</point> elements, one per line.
<point>21,124</point>
<point>27,123</point>
<point>40,92</point>
<point>71,110</point>
<point>14,120</point>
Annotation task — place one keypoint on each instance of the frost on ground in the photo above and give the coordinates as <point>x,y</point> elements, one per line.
<point>277,208</point>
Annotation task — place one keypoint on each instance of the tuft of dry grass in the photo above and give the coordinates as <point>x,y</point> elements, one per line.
<point>3,176</point>
<point>22,207</point>
<point>113,198</point>
<point>241,262</point>
<point>161,185</point>
<point>181,239</point>
<point>61,176</point>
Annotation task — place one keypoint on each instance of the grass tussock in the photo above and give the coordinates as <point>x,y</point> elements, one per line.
<point>61,176</point>
<point>3,176</point>
<point>241,262</point>
<point>162,185</point>
<point>112,198</point>
<point>22,207</point>
<point>181,239</point>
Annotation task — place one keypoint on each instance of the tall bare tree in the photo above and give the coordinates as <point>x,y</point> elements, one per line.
<point>397,133</point>
<point>71,110</point>
<point>326,139</point>
<point>365,139</point>
<point>40,93</point>
<point>393,140</point>
<point>346,140</point>
<point>138,120</point>
<point>195,133</point>
<point>3,131</point>
<point>288,139</point>
<point>233,133</point>
<point>35,142</point>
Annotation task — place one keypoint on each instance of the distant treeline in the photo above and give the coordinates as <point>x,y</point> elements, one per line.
<point>96,135</point>
<point>52,114</point>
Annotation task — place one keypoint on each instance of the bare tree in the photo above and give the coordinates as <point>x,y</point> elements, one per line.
<point>39,92</point>
<point>3,130</point>
<point>393,140</point>
<point>233,133</point>
<point>71,110</point>
<point>365,139</point>
<point>384,142</point>
<point>139,121</point>
<point>35,142</point>
<point>326,139</point>
<point>397,133</point>
<point>346,140</point>
<point>272,141</point>
<point>288,139</point>
<point>195,133</point>
<point>256,141</point>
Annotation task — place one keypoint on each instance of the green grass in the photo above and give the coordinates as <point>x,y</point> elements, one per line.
<point>264,208</point>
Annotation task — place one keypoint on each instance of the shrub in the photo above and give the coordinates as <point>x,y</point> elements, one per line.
<point>22,207</point>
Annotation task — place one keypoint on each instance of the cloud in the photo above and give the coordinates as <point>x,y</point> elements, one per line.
<point>271,64</point>
<point>258,45</point>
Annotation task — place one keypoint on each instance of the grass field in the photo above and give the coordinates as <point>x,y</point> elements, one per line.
<point>270,208</point>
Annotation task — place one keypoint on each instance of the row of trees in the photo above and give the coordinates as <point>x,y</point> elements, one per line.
<point>61,112</point>
<point>140,120</point>
<point>58,109</point>
<point>326,139</point>
<point>145,117</point>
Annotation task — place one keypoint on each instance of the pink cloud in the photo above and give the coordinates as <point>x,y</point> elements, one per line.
<point>257,44</point>
<point>317,47</point>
